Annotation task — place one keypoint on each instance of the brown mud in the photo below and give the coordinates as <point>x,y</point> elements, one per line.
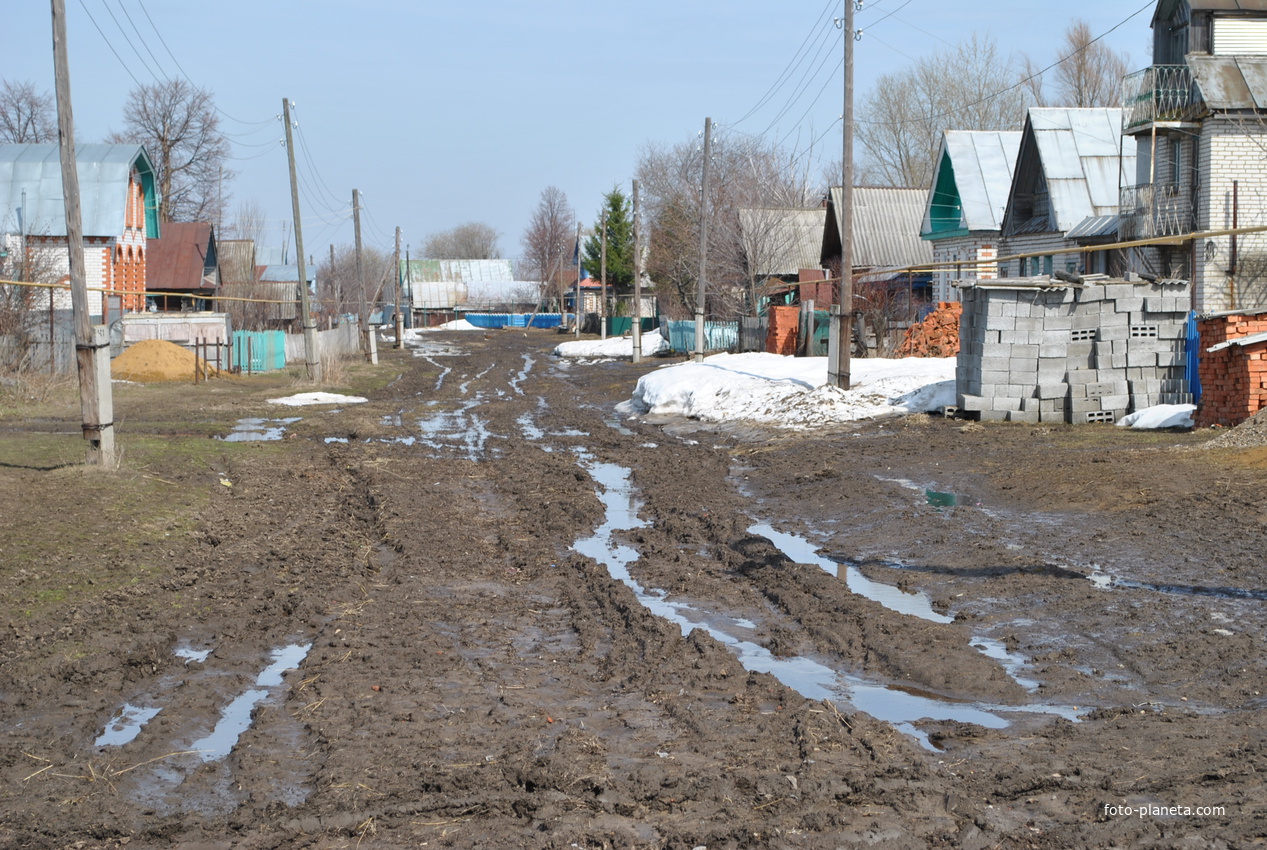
<point>464,677</point>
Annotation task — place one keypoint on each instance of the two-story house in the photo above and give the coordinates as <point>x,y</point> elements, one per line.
<point>1199,117</point>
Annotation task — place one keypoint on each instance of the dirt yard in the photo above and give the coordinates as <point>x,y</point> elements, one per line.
<point>482,610</point>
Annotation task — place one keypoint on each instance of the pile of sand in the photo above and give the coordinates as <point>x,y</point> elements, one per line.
<point>158,360</point>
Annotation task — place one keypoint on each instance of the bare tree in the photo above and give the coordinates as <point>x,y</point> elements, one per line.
<point>338,288</point>
<point>249,222</point>
<point>746,173</point>
<point>26,115</point>
<point>473,240</point>
<point>1088,74</point>
<point>900,124</point>
<point>548,242</point>
<point>178,125</point>
<point>24,310</point>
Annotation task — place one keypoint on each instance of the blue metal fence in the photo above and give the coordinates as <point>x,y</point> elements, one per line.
<point>718,336</point>
<point>258,351</point>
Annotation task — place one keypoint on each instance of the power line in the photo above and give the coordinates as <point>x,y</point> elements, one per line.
<point>787,69</point>
<point>109,45</point>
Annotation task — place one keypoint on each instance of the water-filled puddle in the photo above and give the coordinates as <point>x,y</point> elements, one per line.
<point>253,430</point>
<point>124,728</point>
<point>236,716</point>
<point>808,677</point>
<point>950,500</point>
<point>190,654</point>
<point>1104,581</point>
<point>803,551</point>
<point>1012,663</point>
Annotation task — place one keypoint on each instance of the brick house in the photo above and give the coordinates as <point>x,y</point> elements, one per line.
<point>119,211</point>
<point>1199,118</point>
<point>964,214</point>
<point>1064,193</point>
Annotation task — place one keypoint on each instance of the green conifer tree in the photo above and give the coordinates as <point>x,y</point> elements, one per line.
<point>620,253</point>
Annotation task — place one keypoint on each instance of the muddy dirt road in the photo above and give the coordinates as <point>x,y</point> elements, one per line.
<point>484,610</point>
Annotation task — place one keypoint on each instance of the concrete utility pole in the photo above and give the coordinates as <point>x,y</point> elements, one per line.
<point>637,310</point>
<point>840,334</point>
<point>92,344</point>
<point>338,287</point>
<point>364,322</point>
<point>578,279</point>
<point>400,320</point>
<point>311,358</point>
<point>703,244</point>
<point>602,307</point>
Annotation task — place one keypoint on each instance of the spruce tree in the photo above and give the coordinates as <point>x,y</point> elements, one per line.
<point>619,243</point>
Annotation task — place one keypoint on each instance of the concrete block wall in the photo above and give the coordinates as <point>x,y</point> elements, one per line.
<point>1064,254</point>
<point>1051,352</point>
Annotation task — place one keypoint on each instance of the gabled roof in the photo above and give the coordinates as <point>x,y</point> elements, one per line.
<point>1072,156</point>
<point>286,274</point>
<point>104,172</point>
<point>782,241</point>
<point>886,225</point>
<point>1166,7</point>
<point>970,188</point>
<point>179,260</point>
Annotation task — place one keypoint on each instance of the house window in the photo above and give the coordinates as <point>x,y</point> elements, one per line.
<point>1002,269</point>
<point>1021,265</point>
<point>1176,161</point>
<point>1047,265</point>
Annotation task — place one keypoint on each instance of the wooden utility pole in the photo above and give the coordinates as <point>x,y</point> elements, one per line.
<point>637,310</point>
<point>703,244</point>
<point>364,321</point>
<point>92,344</point>
<point>602,307</point>
<point>311,358</point>
<point>840,339</point>
<point>578,279</point>
<point>338,285</point>
<point>400,320</point>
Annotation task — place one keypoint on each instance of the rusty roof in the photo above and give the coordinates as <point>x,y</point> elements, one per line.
<point>182,258</point>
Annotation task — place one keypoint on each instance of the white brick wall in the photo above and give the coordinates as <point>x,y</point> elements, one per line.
<point>1232,149</point>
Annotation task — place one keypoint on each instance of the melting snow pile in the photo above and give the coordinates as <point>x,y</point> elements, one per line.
<point>792,391</point>
<point>615,348</point>
<point>304,399</point>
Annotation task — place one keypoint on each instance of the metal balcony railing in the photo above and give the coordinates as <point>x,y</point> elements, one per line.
<point>1159,93</point>
<point>1155,209</point>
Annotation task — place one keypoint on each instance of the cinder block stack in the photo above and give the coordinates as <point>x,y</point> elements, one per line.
<point>784,322</point>
<point>1233,368</point>
<point>1039,350</point>
<point>936,336</point>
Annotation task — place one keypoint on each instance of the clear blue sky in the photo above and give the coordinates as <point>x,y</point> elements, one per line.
<point>446,112</point>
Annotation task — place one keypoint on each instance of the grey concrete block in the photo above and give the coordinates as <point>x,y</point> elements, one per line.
<point>993,416</point>
<point>1081,405</point>
<point>1048,391</point>
<point>1028,323</point>
<point>1141,359</point>
<point>1129,305</point>
<point>995,363</point>
<point>1026,352</point>
<point>1005,403</point>
<point>971,402</point>
<point>1053,351</point>
<point>992,376</point>
<point>1058,323</point>
<point>995,322</point>
<point>1119,291</point>
<point>1083,376</point>
<point>1115,402</point>
<point>1028,416</point>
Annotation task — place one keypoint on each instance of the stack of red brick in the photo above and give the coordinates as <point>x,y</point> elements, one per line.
<point>936,336</point>
<point>784,326</point>
<point>1233,377</point>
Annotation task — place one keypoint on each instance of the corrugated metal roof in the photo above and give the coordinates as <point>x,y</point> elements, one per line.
<point>1231,82</point>
<point>471,284</point>
<point>287,273</point>
<point>460,271</point>
<point>1079,153</point>
<point>179,259</point>
<point>982,163</point>
<point>104,172</point>
<point>237,260</point>
<point>782,241</point>
<point>1094,227</point>
<point>886,227</point>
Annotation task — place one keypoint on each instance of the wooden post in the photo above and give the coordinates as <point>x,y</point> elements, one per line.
<point>702,291</point>
<point>400,320</point>
<point>92,345</point>
<point>577,305</point>
<point>637,310</point>
<point>364,323</point>
<point>602,305</point>
<point>311,359</point>
<point>838,360</point>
